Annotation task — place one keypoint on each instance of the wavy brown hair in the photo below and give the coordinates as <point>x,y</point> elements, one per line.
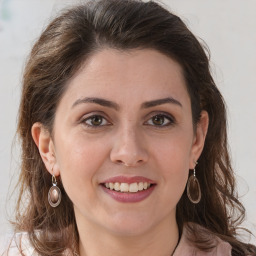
<point>60,51</point>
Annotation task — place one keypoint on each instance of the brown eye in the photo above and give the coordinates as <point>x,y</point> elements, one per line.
<point>160,120</point>
<point>95,120</point>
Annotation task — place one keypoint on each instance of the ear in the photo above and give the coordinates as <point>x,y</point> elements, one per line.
<point>199,138</point>
<point>44,142</point>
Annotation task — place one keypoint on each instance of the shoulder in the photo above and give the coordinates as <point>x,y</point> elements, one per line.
<point>16,245</point>
<point>217,247</point>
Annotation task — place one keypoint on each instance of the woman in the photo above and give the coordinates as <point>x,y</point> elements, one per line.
<point>118,104</point>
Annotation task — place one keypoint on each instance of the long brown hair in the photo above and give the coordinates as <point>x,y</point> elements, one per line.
<point>57,55</point>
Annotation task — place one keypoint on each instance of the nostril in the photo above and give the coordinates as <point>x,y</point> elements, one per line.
<point>129,164</point>
<point>128,152</point>
<point>126,164</point>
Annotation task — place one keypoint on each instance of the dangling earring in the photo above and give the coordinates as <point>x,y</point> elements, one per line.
<point>193,188</point>
<point>54,194</point>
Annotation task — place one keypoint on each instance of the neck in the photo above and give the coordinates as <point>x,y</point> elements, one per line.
<point>160,240</point>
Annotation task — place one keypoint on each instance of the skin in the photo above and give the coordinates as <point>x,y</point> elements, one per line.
<point>128,141</point>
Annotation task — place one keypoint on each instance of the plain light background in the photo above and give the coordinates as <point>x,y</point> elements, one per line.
<point>227,26</point>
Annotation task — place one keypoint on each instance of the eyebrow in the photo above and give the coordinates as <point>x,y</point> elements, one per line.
<point>157,102</point>
<point>99,101</point>
<point>111,104</point>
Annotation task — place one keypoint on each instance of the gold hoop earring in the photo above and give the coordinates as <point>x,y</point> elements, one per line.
<point>54,194</point>
<point>193,188</point>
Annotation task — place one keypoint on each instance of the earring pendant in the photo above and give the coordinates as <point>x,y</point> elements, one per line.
<point>193,189</point>
<point>54,194</point>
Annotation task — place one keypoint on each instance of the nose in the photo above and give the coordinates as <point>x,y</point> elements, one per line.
<point>129,149</point>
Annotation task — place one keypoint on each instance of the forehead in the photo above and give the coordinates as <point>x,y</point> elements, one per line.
<point>112,73</point>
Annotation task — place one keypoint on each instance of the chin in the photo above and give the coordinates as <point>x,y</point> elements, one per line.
<point>130,226</point>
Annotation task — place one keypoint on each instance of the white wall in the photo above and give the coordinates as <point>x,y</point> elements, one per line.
<point>227,26</point>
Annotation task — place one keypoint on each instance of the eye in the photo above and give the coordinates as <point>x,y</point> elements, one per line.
<point>95,120</point>
<point>160,120</point>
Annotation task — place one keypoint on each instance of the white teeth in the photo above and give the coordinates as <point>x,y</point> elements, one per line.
<point>141,186</point>
<point>117,186</point>
<point>111,185</point>
<point>134,188</point>
<point>125,187</point>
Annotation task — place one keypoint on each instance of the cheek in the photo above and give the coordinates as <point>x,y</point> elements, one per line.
<point>79,153</point>
<point>79,159</point>
<point>174,151</point>
<point>174,174</point>
<point>173,158</point>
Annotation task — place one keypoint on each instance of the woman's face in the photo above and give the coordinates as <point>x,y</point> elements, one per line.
<point>125,122</point>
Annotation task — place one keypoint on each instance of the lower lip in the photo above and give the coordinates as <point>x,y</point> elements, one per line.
<point>129,197</point>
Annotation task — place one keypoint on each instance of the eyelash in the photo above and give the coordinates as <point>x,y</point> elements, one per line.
<point>168,120</point>
<point>90,118</point>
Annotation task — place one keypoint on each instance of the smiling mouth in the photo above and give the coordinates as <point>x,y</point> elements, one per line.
<point>128,188</point>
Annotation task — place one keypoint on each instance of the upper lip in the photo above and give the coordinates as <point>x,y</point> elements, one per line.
<point>129,180</point>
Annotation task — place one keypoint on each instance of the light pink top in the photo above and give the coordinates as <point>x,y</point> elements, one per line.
<point>184,248</point>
